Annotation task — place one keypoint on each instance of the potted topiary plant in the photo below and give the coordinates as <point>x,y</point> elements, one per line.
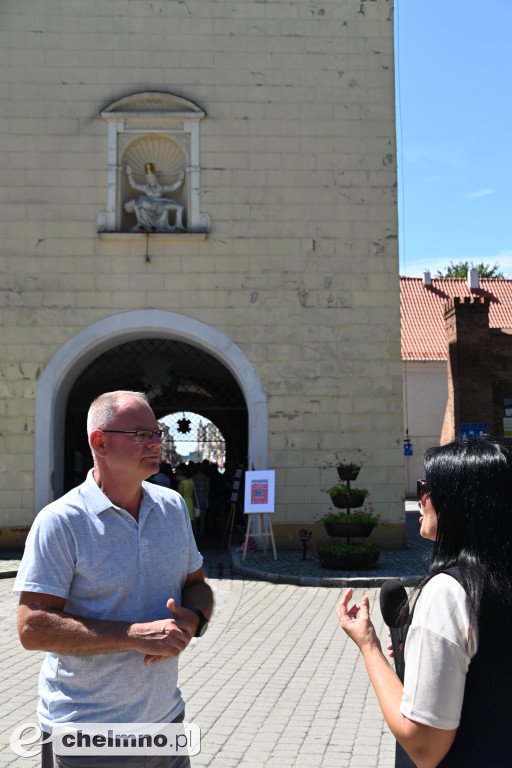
<point>347,524</point>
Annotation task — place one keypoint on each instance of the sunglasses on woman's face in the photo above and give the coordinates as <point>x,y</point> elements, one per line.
<point>421,489</point>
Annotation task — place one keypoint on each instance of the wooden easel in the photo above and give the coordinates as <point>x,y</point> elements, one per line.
<point>261,532</point>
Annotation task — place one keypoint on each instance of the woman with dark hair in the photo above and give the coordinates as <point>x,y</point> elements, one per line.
<point>454,707</point>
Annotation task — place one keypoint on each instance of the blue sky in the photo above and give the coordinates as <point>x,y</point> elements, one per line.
<point>454,133</point>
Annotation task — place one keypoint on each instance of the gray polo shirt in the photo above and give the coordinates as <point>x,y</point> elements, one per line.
<point>108,566</point>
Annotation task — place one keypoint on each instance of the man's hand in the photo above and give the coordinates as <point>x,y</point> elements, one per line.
<point>165,639</point>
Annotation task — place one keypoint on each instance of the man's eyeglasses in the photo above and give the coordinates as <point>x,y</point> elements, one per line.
<point>142,435</point>
<point>421,489</point>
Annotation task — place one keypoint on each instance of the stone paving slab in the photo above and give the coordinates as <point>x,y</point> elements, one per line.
<point>274,683</point>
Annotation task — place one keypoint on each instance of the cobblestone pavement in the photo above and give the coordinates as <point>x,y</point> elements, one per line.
<point>274,683</point>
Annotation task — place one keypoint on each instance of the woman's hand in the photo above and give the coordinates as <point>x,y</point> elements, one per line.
<point>358,627</point>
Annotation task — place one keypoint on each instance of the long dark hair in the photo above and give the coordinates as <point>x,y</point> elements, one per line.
<point>470,486</point>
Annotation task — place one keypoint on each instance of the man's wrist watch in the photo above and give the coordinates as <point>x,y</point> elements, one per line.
<point>203,622</point>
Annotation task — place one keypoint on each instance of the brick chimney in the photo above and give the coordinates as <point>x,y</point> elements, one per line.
<point>470,392</point>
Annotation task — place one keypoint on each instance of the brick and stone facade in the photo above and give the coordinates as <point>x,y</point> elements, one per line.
<point>292,282</point>
<point>479,368</point>
<point>476,357</point>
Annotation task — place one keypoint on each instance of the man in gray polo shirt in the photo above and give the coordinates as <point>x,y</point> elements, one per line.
<point>111,583</point>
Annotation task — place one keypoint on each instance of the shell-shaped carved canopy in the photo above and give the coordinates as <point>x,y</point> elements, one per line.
<point>166,155</point>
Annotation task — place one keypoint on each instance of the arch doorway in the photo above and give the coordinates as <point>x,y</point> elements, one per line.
<point>177,377</point>
<point>242,417</point>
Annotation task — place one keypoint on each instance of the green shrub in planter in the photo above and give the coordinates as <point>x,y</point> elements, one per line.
<point>351,555</point>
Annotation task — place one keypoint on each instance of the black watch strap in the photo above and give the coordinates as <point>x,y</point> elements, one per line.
<point>203,622</point>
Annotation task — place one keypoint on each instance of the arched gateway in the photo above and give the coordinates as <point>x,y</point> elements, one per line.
<point>79,353</point>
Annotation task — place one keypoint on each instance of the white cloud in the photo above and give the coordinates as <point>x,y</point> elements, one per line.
<point>448,155</point>
<point>504,259</point>
<point>480,193</point>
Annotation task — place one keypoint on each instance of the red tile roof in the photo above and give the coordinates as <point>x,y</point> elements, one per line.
<point>422,307</point>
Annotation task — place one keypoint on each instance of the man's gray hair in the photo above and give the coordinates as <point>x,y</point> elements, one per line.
<point>103,411</point>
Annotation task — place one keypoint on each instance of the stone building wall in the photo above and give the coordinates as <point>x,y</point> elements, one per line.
<point>298,176</point>
<point>425,389</point>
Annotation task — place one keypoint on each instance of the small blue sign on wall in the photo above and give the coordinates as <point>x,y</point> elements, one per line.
<point>407,449</point>
<point>473,429</point>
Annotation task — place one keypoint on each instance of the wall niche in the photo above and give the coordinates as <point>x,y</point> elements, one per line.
<point>153,170</point>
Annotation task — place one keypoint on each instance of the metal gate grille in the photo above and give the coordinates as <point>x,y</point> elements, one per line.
<point>176,376</point>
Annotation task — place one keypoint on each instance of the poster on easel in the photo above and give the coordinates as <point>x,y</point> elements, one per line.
<point>259,491</point>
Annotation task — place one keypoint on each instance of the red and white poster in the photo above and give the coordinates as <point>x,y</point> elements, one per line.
<point>259,491</point>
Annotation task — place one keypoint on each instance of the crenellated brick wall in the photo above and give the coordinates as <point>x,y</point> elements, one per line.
<point>479,367</point>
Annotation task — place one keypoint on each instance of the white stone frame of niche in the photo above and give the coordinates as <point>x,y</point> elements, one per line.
<point>152,113</point>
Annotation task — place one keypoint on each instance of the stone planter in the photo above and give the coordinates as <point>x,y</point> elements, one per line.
<point>349,530</point>
<point>352,562</point>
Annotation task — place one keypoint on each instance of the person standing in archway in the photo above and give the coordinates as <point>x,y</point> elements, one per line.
<point>186,489</point>
<point>202,488</point>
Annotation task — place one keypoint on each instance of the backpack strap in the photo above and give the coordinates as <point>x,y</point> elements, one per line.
<point>453,572</point>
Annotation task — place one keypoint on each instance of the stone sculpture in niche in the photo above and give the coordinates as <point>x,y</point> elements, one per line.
<point>152,208</point>
<point>152,130</point>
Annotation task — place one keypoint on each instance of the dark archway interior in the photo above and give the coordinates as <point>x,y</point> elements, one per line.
<point>176,376</point>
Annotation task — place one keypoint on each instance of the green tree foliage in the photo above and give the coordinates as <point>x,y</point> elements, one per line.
<point>462,268</point>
